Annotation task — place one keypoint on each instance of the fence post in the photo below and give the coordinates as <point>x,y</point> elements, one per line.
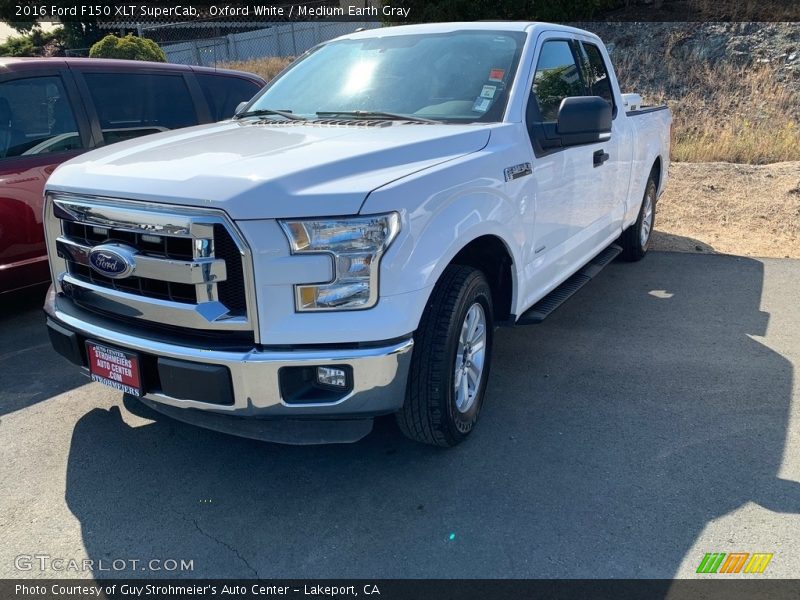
<point>233,49</point>
<point>196,52</point>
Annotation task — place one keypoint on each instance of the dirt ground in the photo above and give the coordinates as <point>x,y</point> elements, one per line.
<point>724,208</point>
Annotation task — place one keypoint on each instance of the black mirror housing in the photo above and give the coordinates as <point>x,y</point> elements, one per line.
<point>583,120</point>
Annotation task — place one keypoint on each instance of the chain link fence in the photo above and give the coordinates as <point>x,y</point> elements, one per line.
<point>77,52</point>
<point>218,44</point>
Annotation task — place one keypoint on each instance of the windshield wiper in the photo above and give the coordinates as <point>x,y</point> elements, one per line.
<point>271,111</point>
<point>374,114</point>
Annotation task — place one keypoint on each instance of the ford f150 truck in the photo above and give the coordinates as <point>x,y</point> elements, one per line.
<point>347,244</point>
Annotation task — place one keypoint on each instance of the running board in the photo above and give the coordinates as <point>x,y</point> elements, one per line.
<point>544,307</point>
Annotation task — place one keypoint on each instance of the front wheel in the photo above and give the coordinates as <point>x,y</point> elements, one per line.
<point>635,240</point>
<point>450,362</point>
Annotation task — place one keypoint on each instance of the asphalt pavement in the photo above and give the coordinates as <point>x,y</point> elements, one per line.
<point>652,419</point>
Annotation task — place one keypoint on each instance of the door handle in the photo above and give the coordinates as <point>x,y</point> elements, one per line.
<point>599,157</point>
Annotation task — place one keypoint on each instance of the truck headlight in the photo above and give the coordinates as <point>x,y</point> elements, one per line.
<point>356,245</point>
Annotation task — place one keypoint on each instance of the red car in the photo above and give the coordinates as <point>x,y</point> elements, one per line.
<point>52,109</point>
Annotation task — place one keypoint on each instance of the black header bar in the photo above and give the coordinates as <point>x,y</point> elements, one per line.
<point>398,11</point>
<point>406,589</point>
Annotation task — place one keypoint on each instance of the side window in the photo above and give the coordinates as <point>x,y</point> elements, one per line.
<point>36,118</point>
<point>130,105</point>
<point>598,82</point>
<point>224,93</point>
<point>556,77</point>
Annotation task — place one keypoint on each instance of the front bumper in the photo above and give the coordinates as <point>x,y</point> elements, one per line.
<point>257,388</point>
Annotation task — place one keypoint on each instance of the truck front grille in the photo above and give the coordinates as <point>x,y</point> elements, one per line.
<point>184,268</point>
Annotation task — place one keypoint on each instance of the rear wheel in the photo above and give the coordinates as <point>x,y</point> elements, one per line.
<point>450,362</point>
<point>635,240</point>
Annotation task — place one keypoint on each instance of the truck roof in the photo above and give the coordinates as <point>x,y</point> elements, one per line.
<point>32,63</point>
<point>526,26</point>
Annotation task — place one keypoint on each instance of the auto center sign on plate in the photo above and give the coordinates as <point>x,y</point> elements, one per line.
<point>114,368</point>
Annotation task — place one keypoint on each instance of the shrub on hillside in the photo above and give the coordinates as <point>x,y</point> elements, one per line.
<point>129,47</point>
<point>723,110</point>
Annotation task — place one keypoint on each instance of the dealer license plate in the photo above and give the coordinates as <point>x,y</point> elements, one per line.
<point>115,368</point>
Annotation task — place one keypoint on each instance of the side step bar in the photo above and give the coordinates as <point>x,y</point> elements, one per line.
<point>544,307</point>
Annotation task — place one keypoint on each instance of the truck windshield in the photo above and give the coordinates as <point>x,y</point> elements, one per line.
<point>462,77</point>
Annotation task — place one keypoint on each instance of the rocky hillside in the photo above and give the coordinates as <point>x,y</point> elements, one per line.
<point>679,46</point>
<point>734,88</point>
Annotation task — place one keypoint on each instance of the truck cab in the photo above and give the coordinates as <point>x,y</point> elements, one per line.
<point>346,246</point>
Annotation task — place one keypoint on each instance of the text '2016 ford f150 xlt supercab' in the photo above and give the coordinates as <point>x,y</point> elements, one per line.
<point>346,245</point>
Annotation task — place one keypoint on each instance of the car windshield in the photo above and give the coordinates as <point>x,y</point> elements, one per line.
<point>461,76</point>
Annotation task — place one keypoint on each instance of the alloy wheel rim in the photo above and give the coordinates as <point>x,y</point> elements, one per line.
<point>647,221</point>
<point>470,358</point>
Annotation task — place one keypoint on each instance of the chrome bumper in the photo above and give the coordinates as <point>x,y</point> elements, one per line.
<point>379,373</point>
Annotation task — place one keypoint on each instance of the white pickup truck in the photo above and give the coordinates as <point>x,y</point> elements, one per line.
<point>346,246</point>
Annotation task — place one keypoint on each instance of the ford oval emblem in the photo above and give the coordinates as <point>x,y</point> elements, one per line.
<point>113,260</point>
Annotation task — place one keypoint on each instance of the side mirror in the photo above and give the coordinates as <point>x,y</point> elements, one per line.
<point>240,107</point>
<point>583,120</point>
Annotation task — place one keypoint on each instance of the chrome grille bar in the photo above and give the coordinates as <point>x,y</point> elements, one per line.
<point>200,271</point>
<point>128,218</point>
<point>206,315</point>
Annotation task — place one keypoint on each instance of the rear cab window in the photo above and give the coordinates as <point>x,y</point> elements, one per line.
<point>130,105</point>
<point>36,118</point>
<point>224,93</point>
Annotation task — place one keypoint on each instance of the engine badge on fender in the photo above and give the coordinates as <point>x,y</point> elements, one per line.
<point>517,171</point>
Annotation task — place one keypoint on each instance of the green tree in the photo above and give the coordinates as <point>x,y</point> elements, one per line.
<point>80,33</point>
<point>129,47</point>
<point>552,86</point>
<point>34,43</point>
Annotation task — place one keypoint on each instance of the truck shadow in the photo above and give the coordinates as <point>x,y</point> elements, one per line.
<point>30,370</point>
<point>612,435</point>
<point>670,242</point>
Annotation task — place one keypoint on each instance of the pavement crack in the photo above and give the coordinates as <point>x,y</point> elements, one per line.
<point>222,543</point>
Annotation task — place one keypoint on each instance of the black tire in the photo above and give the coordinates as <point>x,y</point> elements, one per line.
<point>429,414</point>
<point>631,239</point>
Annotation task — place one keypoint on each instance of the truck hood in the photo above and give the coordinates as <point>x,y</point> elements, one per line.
<point>257,170</point>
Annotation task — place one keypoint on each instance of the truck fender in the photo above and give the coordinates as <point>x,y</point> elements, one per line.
<point>433,239</point>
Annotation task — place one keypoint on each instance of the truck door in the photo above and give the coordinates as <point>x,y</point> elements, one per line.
<point>559,175</point>
<point>573,202</point>
<point>616,169</point>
